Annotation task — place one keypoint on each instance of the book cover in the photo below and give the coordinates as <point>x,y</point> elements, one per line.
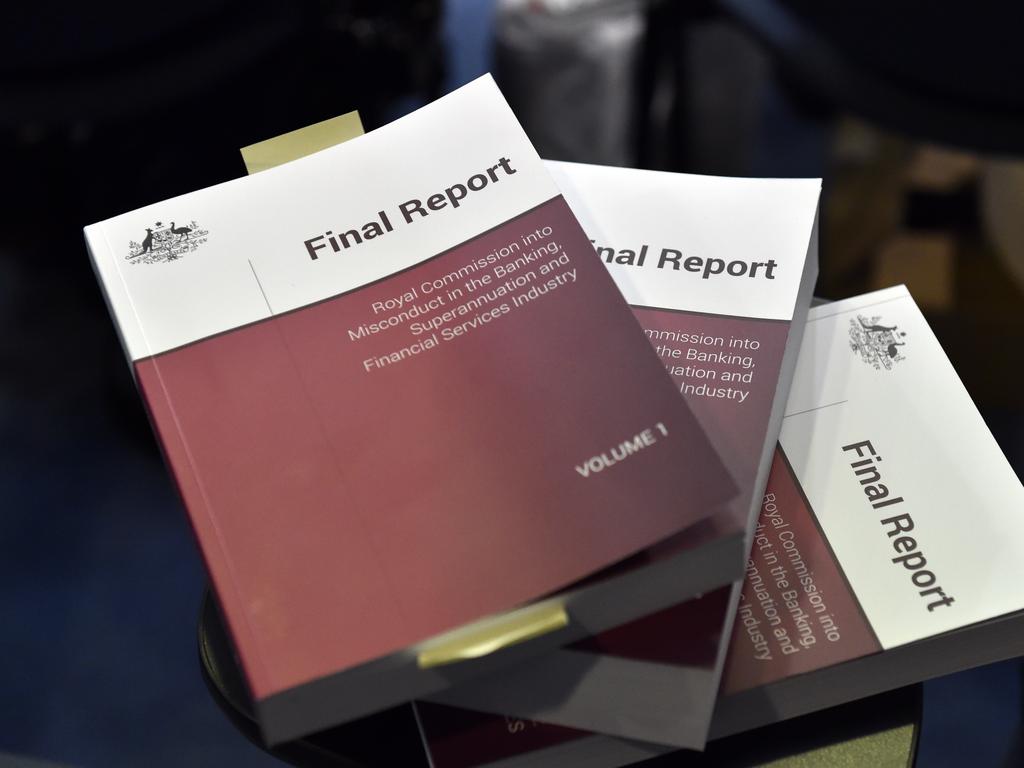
<point>887,550</point>
<point>391,408</point>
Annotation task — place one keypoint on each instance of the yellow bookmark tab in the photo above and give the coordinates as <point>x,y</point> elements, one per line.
<point>305,141</point>
<point>492,634</point>
<point>478,638</point>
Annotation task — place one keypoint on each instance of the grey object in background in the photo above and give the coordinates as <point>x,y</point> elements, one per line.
<point>570,68</point>
<point>633,83</point>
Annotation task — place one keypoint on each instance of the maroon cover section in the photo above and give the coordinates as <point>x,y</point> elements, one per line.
<point>346,514</point>
<point>733,425</point>
<point>686,634</point>
<point>797,612</point>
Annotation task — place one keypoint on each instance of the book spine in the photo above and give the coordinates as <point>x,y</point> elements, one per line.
<point>169,437</point>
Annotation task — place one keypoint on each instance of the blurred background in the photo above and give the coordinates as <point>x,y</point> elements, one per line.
<point>913,115</point>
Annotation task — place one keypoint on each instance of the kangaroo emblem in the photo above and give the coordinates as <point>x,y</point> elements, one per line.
<point>163,243</point>
<point>876,344</point>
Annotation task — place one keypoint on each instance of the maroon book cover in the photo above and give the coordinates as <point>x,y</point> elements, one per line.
<point>396,406</point>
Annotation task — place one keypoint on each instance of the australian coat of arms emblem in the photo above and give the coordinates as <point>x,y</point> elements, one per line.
<point>166,242</point>
<point>876,344</point>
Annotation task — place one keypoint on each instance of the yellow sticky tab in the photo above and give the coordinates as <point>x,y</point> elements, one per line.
<point>492,634</point>
<point>305,141</point>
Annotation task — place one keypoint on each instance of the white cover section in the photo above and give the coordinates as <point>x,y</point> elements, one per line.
<point>264,219</point>
<point>966,503</point>
<point>709,217</point>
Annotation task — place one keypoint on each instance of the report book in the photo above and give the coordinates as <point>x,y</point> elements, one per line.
<point>403,401</point>
<point>887,550</point>
<point>719,272</point>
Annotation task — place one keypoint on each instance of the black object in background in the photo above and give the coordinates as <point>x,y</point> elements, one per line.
<point>941,74</point>
<point>112,105</point>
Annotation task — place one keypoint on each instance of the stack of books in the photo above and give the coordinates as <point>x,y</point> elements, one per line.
<point>560,452</point>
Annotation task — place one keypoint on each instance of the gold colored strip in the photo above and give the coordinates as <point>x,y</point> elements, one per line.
<point>494,634</point>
